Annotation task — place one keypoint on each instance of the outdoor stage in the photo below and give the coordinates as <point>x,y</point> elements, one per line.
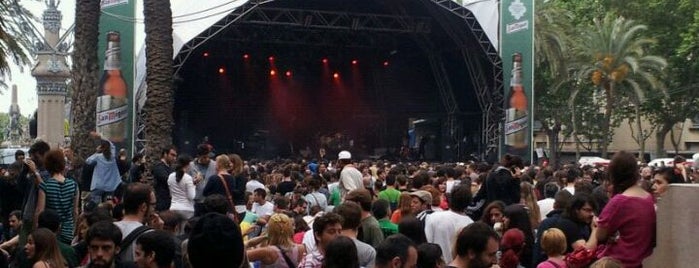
<point>275,77</point>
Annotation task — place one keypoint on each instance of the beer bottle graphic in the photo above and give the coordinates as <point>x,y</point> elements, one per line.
<point>517,120</point>
<point>112,108</point>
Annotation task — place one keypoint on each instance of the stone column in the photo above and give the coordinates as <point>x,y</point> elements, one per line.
<point>51,73</point>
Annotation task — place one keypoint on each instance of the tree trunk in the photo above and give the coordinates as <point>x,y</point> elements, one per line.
<point>159,76</point>
<point>660,137</point>
<point>609,86</point>
<point>575,134</point>
<point>86,73</point>
<point>552,133</point>
<point>641,136</point>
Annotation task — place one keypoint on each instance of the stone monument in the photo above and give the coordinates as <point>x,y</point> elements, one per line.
<point>51,73</point>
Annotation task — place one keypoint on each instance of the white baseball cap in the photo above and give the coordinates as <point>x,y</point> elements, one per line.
<point>344,155</point>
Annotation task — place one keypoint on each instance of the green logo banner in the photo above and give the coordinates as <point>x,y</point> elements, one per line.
<point>517,53</point>
<point>116,53</point>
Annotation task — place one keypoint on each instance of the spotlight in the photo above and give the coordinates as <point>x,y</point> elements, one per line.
<point>354,62</point>
<point>271,58</point>
<point>325,60</point>
<point>288,73</point>
<point>385,63</point>
<point>221,70</point>
<point>246,56</point>
<point>206,54</point>
<point>336,75</point>
<point>272,72</point>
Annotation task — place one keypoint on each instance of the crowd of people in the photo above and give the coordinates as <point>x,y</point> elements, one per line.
<point>221,211</point>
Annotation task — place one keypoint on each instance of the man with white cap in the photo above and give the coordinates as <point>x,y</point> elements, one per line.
<point>350,177</point>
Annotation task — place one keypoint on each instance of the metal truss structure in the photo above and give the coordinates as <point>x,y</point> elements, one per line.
<point>490,90</point>
<point>327,28</point>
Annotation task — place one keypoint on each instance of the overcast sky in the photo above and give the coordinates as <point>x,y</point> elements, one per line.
<point>26,84</point>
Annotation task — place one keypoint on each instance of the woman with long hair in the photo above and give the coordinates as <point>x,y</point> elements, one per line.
<point>182,188</point>
<point>341,252</point>
<point>528,199</point>
<point>42,249</point>
<point>60,194</point>
<point>512,247</point>
<point>493,213</point>
<point>403,210</point>
<point>516,217</point>
<point>238,172</point>
<point>222,183</point>
<point>629,237</point>
<point>280,250</point>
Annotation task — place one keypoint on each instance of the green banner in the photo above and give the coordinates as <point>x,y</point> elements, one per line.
<point>517,53</point>
<point>115,104</point>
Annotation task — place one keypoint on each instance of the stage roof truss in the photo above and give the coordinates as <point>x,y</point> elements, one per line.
<point>490,95</point>
<point>252,34</point>
<point>349,21</point>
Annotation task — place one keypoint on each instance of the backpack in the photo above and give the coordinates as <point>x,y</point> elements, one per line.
<point>128,241</point>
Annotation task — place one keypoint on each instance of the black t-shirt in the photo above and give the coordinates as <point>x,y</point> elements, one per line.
<point>573,231</point>
<point>286,187</point>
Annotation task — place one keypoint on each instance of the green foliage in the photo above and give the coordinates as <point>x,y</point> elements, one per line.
<point>610,43</point>
<point>13,40</point>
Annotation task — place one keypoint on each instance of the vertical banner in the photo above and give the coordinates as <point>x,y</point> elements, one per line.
<point>116,53</point>
<point>517,53</point>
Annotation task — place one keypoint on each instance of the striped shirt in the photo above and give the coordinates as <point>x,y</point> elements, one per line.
<point>60,197</point>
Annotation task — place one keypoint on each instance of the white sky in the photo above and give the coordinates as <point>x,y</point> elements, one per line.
<point>26,84</point>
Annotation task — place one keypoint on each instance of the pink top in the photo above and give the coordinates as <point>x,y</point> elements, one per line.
<point>633,219</point>
<point>292,254</point>
<point>550,263</point>
<point>298,237</point>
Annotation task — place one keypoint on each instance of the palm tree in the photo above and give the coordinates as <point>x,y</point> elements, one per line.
<point>159,75</point>
<point>12,40</point>
<point>618,63</point>
<point>86,72</point>
<point>551,39</point>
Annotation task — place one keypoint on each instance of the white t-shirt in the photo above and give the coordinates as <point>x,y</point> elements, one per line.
<point>570,189</point>
<point>451,185</point>
<point>316,198</point>
<point>350,180</point>
<point>182,193</point>
<point>252,185</point>
<point>263,210</point>
<point>442,228</point>
<point>545,206</point>
<point>126,228</point>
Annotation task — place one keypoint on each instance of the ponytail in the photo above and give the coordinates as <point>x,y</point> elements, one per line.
<point>182,162</point>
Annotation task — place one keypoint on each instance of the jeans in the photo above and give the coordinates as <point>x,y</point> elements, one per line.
<point>97,196</point>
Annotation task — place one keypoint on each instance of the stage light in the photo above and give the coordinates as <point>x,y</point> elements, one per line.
<point>221,70</point>
<point>336,75</point>
<point>271,58</point>
<point>288,73</point>
<point>385,63</point>
<point>272,72</point>
<point>354,62</point>
<point>324,60</point>
<point>246,56</point>
<point>206,54</point>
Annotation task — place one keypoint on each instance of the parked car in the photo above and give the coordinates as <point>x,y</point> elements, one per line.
<point>668,162</point>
